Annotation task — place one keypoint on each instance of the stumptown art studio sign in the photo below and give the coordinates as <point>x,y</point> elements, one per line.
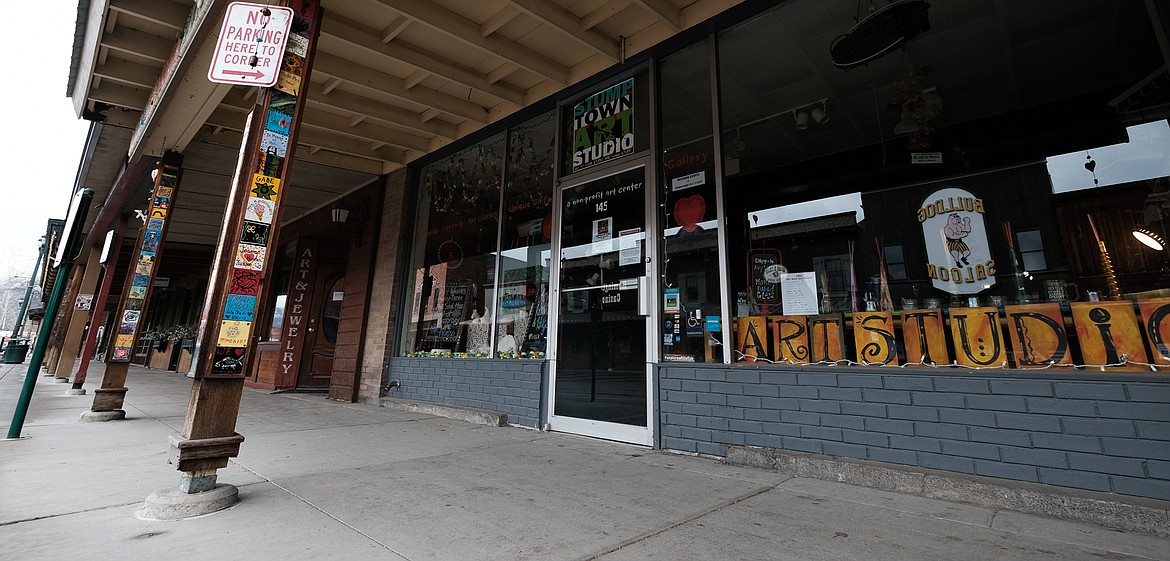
<point>603,126</point>
<point>958,256</point>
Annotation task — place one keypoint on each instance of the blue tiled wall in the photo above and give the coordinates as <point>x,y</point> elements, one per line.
<point>507,386</point>
<point>1073,430</point>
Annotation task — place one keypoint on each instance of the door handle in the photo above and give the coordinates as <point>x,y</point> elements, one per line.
<point>643,297</point>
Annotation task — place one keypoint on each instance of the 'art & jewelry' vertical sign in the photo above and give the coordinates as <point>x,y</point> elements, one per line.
<point>253,218</point>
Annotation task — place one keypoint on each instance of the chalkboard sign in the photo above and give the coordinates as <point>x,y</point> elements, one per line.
<point>454,305</point>
<point>766,270</point>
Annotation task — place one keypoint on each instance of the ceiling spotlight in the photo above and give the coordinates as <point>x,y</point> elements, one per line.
<point>1149,239</point>
<point>801,120</point>
<point>819,115</point>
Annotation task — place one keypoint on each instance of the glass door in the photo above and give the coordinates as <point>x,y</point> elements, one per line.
<point>601,383</point>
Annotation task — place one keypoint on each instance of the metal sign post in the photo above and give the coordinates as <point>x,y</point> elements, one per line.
<point>78,211</point>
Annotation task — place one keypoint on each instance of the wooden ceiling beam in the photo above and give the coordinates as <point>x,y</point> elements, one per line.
<point>454,25</point>
<point>367,131</point>
<point>387,84</point>
<point>127,72</point>
<point>352,146</point>
<point>367,38</point>
<point>314,154</point>
<point>138,43</point>
<point>604,12</point>
<point>352,126</point>
<point>120,96</point>
<point>167,14</point>
<point>665,11</point>
<point>502,71</point>
<point>395,28</point>
<point>570,25</point>
<point>502,17</point>
<point>397,116</point>
<point>309,136</point>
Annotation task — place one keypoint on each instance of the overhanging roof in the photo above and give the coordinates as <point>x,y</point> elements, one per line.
<point>392,81</point>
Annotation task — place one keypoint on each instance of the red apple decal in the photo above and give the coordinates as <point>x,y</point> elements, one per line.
<point>689,211</point>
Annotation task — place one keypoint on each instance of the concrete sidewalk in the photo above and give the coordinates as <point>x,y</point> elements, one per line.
<point>326,480</point>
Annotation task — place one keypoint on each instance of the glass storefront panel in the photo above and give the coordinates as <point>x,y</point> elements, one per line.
<point>691,310</point>
<point>902,212</point>
<point>454,254</point>
<point>601,349</point>
<point>523,290</point>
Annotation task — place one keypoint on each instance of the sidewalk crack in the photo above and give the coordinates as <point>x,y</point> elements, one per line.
<point>325,512</point>
<point>652,533</point>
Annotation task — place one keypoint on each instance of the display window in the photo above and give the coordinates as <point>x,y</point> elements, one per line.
<point>480,260</point>
<point>454,253</point>
<point>897,213</point>
<point>692,310</point>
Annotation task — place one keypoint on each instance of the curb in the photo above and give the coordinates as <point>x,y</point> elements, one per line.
<point>1116,512</point>
<point>465,414</point>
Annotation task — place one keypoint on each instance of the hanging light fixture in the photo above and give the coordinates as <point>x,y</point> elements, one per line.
<point>1149,239</point>
<point>339,214</point>
<point>801,120</point>
<point>820,114</point>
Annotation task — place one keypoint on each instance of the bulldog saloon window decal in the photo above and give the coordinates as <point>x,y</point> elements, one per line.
<point>957,251</point>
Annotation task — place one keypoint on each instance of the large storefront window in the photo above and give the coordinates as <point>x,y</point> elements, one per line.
<point>691,310</point>
<point>526,241</point>
<point>902,213</point>
<point>454,255</point>
<point>485,210</point>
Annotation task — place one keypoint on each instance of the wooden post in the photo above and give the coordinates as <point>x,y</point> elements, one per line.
<point>243,263</point>
<point>61,323</point>
<point>131,315</point>
<point>99,306</point>
<point>78,317</point>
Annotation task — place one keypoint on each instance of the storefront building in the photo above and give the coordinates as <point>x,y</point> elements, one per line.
<point>770,234</point>
<point>900,232</point>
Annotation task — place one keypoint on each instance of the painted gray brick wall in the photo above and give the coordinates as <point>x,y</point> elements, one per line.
<point>507,386</point>
<point>1100,434</point>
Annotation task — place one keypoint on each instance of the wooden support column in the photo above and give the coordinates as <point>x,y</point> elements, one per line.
<point>99,306</point>
<point>61,323</point>
<point>131,314</point>
<point>78,311</point>
<point>244,262</point>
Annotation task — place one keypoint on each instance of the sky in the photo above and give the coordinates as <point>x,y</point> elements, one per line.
<point>42,139</point>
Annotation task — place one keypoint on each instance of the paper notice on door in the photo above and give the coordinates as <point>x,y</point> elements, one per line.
<point>629,247</point>
<point>798,292</point>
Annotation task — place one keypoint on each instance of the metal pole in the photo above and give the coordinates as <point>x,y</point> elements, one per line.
<point>72,238</point>
<point>28,292</point>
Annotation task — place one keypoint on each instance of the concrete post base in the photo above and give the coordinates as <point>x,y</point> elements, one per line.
<point>102,416</point>
<point>75,391</point>
<point>174,504</point>
<point>62,380</point>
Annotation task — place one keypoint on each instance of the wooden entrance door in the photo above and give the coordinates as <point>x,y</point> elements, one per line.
<point>321,338</point>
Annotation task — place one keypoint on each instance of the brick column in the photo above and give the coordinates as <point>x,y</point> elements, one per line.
<point>131,315</point>
<point>240,273</point>
<point>382,311</point>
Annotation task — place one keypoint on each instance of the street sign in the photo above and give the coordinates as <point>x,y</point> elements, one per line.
<point>251,44</point>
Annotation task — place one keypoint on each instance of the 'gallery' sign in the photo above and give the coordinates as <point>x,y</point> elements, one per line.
<point>957,252</point>
<point>603,126</point>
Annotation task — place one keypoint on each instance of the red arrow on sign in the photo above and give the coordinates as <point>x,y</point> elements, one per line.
<point>252,74</point>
